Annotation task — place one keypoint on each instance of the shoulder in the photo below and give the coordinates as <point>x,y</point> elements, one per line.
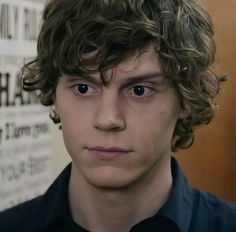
<point>11,219</point>
<point>217,214</point>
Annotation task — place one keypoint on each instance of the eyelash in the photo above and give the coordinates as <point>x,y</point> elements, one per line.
<point>146,91</point>
<point>92,90</point>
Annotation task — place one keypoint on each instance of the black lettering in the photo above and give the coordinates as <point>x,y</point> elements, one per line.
<point>30,24</point>
<point>4,89</point>
<point>22,131</point>
<point>41,128</point>
<point>37,165</point>
<point>1,137</point>
<point>10,172</point>
<point>18,96</point>
<point>16,21</point>
<point>4,21</point>
<point>9,23</point>
<point>7,131</point>
<point>14,132</point>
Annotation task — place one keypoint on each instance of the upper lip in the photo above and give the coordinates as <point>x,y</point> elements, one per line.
<point>109,149</point>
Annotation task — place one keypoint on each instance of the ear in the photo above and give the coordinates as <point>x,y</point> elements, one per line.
<point>54,115</point>
<point>183,114</point>
<point>54,106</point>
<point>184,111</point>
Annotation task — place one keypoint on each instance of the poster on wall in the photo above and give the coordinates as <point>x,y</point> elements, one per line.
<point>25,163</point>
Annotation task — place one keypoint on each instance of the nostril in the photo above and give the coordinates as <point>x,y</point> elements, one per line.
<point>110,125</point>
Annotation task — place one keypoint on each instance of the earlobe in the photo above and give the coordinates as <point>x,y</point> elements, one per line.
<point>184,111</point>
<point>54,115</point>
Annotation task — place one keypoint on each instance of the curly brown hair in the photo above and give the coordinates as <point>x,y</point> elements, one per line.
<point>180,31</point>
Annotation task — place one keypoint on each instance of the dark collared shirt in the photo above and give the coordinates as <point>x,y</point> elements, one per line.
<point>187,209</point>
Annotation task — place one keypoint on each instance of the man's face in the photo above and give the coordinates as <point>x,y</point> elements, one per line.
<point>119,134</point>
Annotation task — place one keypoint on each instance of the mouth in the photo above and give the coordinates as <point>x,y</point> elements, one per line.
<point>108,152</point>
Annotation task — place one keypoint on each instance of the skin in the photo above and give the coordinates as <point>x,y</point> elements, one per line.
<point>119,138</point>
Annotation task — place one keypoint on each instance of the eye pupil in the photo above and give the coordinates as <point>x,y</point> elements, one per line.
<point>82,88</point>
<point>139,90</point>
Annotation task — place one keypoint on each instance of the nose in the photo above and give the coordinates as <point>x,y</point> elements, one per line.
<point>109,116</point>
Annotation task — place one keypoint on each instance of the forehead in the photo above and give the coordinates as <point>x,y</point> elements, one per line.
<point>141,61</point>
<point>138,62</point>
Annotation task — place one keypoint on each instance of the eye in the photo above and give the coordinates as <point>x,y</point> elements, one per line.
<point>84,89</point>
<point>81,88</point>
<point>140,91</point>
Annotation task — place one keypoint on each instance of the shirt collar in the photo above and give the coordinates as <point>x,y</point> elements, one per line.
<point>179,205</point>
<point>53,205</point>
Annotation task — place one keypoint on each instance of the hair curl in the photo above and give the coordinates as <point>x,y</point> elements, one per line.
<point>180,31</point>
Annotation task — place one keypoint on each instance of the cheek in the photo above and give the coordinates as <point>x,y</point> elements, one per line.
<point>154,130</point>
<point>74,128</point>
<point>73,124</point>
<point>74,136</point>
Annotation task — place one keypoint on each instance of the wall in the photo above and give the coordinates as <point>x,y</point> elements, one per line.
<point>60,157</point>
<point>211,163</point>
<point>25,163</point>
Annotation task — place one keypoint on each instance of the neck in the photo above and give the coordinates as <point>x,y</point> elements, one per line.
<point>102,210</point>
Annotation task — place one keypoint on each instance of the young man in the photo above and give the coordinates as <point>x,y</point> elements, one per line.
<point>128,81</point>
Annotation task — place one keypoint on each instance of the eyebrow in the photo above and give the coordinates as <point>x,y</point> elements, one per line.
<point>142,77</point>
<point>85,77</point>
<point>127,81</point>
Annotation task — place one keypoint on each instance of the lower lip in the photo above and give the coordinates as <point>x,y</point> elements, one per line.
<point>108,154</point>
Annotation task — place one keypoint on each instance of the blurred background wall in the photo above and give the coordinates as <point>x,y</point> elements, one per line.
<point>211,163</point>
<point>25,137</point>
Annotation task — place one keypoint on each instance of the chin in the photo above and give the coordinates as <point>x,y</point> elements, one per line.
<point>110,180</point>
